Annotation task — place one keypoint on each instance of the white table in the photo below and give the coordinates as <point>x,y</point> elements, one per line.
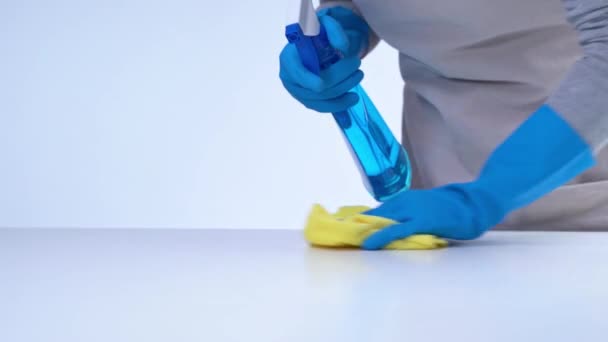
<point>215,286</point>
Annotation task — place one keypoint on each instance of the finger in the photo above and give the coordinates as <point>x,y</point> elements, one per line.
<point>331,93</point>
<point>383,237</point>
<point>335,33</point>
<point>338,104</point>
<point>293,69</point>
<point>338,72</point>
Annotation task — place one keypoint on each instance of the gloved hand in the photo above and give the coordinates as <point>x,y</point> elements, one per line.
<point>329,91</point>
<point>542,154</point>
<point>456,211</point>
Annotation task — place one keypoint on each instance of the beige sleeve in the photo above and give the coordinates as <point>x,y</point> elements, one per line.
<point>373,37</point>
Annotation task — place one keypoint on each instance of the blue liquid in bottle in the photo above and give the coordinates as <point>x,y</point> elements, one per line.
<point>382,161</point>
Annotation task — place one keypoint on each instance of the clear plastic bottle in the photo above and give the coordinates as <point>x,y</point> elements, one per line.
<point>383,163</point>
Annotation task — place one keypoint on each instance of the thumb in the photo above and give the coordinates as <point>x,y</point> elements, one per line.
<point>335,33</point>
<point>390,209</point>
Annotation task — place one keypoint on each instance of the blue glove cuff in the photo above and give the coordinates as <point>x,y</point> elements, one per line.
<point>544,153</point>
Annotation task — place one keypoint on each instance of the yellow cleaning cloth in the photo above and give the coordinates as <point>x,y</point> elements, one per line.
<point>349,228</point>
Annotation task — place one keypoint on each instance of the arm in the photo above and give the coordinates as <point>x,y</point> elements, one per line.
<point>582,97</point>
<point>373,37</point>
<point>554,145</point>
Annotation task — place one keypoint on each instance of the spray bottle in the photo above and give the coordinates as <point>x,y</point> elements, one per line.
<point>382,161</point>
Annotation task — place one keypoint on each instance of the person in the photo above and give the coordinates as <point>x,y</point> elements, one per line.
<point>505,111</point>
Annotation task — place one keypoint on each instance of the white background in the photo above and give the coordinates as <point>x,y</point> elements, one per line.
<point>165,114</point>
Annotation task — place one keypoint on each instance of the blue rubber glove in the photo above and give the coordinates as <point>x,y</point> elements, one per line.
<point>330,91</point>
<point>542,154</point>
